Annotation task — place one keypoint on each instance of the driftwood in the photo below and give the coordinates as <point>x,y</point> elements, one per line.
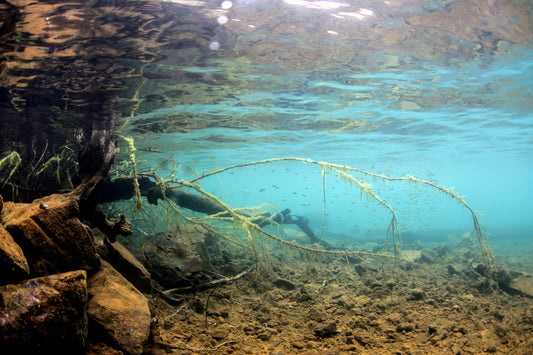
<point>171,296</point>
<point>154,190</point>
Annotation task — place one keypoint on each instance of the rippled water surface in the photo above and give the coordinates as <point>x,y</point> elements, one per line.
<point>437,89</point>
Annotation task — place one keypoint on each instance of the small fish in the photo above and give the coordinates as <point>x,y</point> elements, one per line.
<point>140,230</point>
<point>152,150</point>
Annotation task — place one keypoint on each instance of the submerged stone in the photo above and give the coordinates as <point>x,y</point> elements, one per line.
<point>326,330</point>
<point>284,284</point>
<point>118,309</point>
<point>53,238</point>
<point>45,314</point>
<point>128,265</point>
<point>178,259</point>
<point>13,263</point>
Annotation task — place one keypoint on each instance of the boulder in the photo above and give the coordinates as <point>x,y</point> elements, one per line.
<point>101,349</point>
<point>100,243</point>
<point>51,235</point>
<point>128,265</point>
<point>117,309</point>
<point>123,261</point>
<point>179,259</point>
<point>44,315</point>
<point>521,283</point>
<point>326,329</point>
<point>13,263</point>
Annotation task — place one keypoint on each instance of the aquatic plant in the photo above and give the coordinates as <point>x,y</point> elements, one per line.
<point>133,162</point>
<point>8,165</point>
<point>58,167</point>
<point>38,173</point>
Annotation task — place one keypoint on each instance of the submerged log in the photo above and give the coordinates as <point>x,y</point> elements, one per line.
<point>151,186</point>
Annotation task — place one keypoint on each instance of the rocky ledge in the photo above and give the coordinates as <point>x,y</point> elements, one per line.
<point>60,291</point>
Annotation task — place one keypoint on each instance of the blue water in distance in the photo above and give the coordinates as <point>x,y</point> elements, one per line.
<point>466,126</point>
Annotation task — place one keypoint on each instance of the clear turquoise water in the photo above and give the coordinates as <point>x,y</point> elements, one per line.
<point>438,89</point>
<point>472,130</point>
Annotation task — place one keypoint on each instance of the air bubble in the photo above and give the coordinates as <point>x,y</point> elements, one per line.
<point>222,20</point>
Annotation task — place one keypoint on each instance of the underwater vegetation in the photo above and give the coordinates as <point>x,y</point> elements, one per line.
<point>45,172</point>
<point>248,222</point>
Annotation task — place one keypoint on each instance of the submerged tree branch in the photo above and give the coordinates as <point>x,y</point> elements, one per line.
<point>151,186</point>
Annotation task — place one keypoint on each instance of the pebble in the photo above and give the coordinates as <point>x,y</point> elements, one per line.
<point>218,334</point>
<point>326,330</point>
<point>416,294</point>
<point>284,284</point>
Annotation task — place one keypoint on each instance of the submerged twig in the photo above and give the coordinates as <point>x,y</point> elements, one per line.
<point>185,346</point>
<point>174,291</point>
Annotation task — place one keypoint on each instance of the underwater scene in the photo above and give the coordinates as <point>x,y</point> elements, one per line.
<point>266,177</point>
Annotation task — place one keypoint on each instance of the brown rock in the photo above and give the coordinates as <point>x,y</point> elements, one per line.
<point>178,259</point>
<point>218,334</point>
<point>284,284</point>
<point>522,284</point>
<point>131,268</point>
<point>264,336</point>
<point>45,314</point>
<point>326,330</point>
<point>405,327</point>
<point>416,294</point>
<point>101,349</point>
<point>428,256</point>
<point>453,270</point>
<point>119,309</point>
<point>50,234</point>
<point>13,263</point>
<point>100,244</point>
